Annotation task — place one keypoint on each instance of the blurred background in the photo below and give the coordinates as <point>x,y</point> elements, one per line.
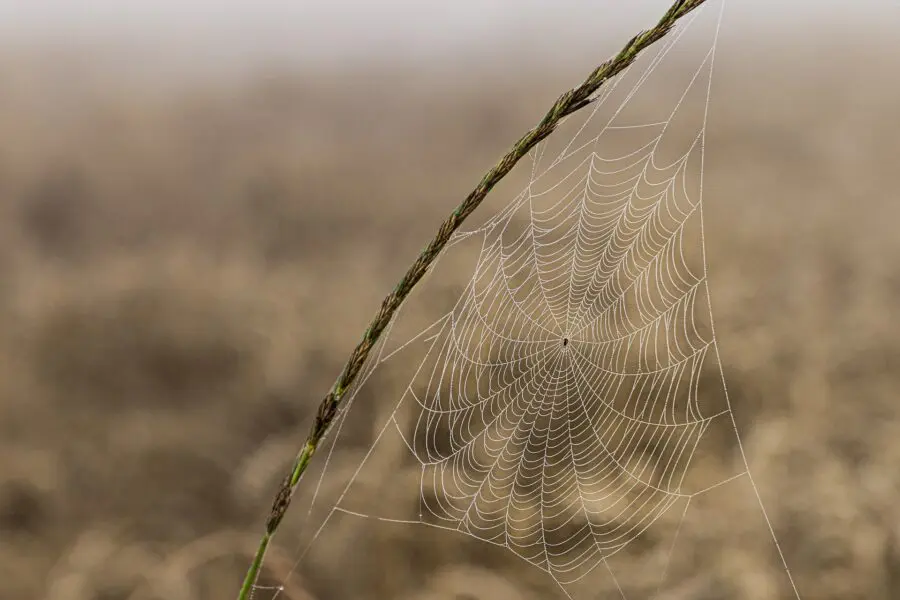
<point>202,204</point>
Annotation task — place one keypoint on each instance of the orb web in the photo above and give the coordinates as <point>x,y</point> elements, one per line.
<point>555,408</point>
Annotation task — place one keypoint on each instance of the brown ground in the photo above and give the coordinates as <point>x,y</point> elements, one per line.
<point>185,271</point>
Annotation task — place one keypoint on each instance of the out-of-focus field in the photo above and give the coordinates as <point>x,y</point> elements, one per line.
<point>184,270</point>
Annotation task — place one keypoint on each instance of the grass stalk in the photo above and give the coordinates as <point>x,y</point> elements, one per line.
<point>567,104</point>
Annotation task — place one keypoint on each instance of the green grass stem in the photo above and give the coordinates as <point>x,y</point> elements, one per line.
<point>567,104</point>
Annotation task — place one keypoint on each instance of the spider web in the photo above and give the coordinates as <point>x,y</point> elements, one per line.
<point>557,407</point>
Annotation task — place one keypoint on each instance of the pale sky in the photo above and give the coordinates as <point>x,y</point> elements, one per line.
<point>356,28</point>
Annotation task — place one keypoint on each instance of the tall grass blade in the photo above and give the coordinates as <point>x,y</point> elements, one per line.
<point>567,104</point>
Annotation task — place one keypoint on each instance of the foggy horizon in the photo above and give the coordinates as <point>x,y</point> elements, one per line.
<point>305,32</point>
